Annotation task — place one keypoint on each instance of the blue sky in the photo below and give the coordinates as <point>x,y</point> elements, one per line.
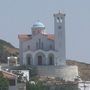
<point>17,17</point>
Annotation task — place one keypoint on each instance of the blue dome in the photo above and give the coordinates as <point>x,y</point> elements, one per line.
<point>38,25</point>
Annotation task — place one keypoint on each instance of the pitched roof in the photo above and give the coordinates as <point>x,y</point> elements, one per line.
<point>51,36</point>
<point>8,75</point>
<point>26,37</point>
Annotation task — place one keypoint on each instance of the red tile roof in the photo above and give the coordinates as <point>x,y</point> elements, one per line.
<point>24,37</point>
<point>51,36</point>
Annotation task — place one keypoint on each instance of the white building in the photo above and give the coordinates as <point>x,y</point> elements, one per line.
<point>12,80</point>
<point>47,51</point>
<point>84,85</point>
<point>12,61</point>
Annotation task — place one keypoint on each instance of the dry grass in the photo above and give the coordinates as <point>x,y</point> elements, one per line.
<point>84,69</point>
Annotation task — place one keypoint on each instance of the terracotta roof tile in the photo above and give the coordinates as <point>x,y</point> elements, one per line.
<point>51,36</point>
<point>24,37</point>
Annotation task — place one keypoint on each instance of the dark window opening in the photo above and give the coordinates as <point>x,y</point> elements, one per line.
<point>28,47</point>
<point>39,43</point>
<point>39,60</point>
<point>12,82</point>
<point>51,47</point>
<point>59,19</point>
<point>51,61</point>
<point>28,60</point>
<point>42,45</point>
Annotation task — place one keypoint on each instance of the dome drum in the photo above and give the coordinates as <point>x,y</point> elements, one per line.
<point>38,26</point>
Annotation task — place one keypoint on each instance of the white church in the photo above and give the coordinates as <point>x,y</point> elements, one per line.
<point>47,51</point>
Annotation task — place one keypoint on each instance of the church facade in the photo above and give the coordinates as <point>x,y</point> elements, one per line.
<point>46,51</point>
<point>41,48</point>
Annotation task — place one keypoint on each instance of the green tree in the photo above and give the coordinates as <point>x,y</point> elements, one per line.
<point>37,86</point>
<point>4,84</point>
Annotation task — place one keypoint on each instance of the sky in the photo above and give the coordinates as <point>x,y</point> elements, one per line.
<point>18,16</point>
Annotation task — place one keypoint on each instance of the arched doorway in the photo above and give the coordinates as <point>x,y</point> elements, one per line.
<point>29,59</point>
<point>39,60</point>
<point>51,59</point>
<point>51,62</point>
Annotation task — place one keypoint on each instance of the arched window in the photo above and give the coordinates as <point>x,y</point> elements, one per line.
<point>59,19</point>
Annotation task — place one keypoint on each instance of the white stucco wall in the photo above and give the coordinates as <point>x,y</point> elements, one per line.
<point>12,87</point>
<point>34,54</point>
<point>84,85</point>
<point>21,86</point>
<point>32,43</point>
<point>59,21</point>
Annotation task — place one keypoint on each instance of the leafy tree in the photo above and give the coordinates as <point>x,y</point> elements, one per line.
<point>37,86</point>
<point>4,84</point>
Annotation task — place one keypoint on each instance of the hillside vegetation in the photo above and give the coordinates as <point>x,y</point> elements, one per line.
<point>6,49</point>
<point>84,69</point>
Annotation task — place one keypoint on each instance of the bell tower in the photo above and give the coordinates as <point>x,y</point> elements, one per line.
<point>59,30</point>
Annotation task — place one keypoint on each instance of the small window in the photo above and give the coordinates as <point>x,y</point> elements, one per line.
<point>59,27</point>
<point>42,45</point>
<point>59,19</point>
<point>39,43</point>
<point>51,61</point>
<point>12,82</point>
<point>28,60</point>
<point>36,45</point>
<point>28,47</point>
<point>51,47</point>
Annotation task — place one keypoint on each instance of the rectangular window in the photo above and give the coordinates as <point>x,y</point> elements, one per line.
<point>39,43</point>
<point>36,45</point>
<point>12,82</point>
<point>28,47</point>
<point>42,45</point>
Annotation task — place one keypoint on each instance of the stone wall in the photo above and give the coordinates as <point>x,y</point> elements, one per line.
<point>68,73</point>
